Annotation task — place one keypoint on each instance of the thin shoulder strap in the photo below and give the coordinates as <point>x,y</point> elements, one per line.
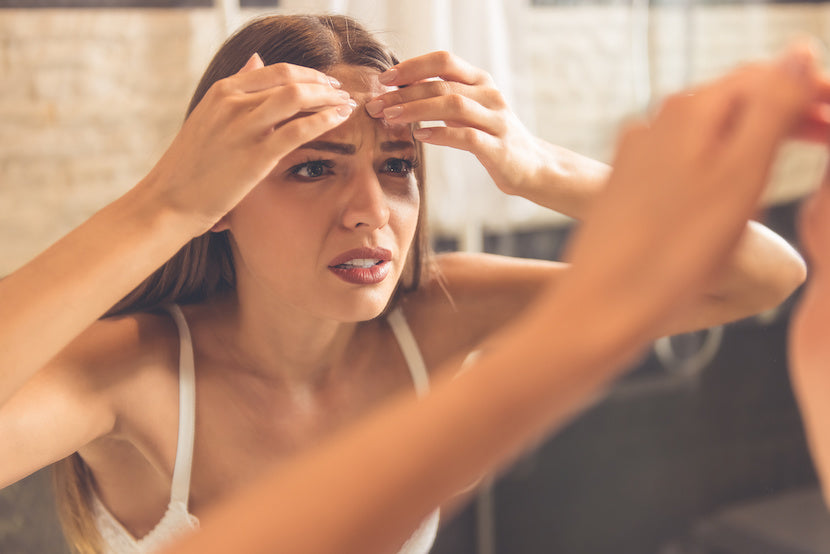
<point>180,491</point>
<point>411,352</point>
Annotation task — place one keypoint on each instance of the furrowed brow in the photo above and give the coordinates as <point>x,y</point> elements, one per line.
<point>395,145</point>
<point>326,146</point>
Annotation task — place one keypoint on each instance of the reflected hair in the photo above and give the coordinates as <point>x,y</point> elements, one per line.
<point>204,266</point>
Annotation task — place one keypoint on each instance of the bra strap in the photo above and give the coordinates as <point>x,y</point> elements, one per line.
<point>180,490</point>
<point>411,352</point>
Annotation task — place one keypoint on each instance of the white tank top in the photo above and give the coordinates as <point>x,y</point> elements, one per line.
<point>177,520</point>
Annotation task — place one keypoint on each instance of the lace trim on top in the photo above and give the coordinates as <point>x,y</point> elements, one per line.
<point>118,540</point>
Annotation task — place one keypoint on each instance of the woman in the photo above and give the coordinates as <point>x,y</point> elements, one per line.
<point>294,187</point>
<point>719,140</point>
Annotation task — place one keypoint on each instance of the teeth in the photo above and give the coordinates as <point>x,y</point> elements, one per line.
<point>362,263</point>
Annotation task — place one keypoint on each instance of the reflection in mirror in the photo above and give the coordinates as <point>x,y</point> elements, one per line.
<point>669,461</point>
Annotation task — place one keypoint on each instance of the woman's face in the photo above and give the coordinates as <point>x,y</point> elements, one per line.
<point>329,230</point>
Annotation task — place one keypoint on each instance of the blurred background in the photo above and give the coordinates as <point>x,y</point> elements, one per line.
<point>698,450</point>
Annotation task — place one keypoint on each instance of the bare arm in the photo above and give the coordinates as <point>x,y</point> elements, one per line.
<point>409,456</point>
<point>809,341</point>
<point>53,298</point>
<point>227,146</point>
<point>760,274</point>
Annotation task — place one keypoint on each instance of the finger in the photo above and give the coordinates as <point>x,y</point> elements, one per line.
<point>455,110</point>
<point>301,130</point>
<point>254,62</point>
<point>823,89</point>
<point>279,74</point>
<point>462,138</point>
<point>770,110</point>
<point>272,107</point>
<point>486,96</point>
<point>435,64</point>
<point>814,125</point>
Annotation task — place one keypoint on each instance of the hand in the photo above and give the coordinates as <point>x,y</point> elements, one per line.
<point>239,131</point>
<point>441,87</point>
<point>684,186</point>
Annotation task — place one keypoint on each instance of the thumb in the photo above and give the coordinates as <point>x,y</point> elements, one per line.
<point>254,62</point>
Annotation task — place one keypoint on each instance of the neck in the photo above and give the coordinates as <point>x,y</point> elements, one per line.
<point>280,342</point>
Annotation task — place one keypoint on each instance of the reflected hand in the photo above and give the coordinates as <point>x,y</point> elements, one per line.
<point>684,186</point>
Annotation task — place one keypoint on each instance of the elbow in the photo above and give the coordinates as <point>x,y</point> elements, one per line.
<point>780,277</point>
<point>791,276</point>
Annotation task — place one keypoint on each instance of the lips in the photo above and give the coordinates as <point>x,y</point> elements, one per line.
<point>362,266</point>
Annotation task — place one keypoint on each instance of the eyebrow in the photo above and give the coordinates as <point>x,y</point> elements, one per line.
<point>349,149</point>
<point>393,145</point>
<point>326,146</point>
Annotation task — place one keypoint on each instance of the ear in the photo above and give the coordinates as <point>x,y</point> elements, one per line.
<point>221,225</point>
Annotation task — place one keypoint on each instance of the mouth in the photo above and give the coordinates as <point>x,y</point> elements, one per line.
<point>362,266</point>
<point>359,263</point>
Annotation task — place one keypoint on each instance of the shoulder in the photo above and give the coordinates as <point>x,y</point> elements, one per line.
<point>117,345</point>
<point>118,357</point>
<point>100,386</point>
<point>467,297</point>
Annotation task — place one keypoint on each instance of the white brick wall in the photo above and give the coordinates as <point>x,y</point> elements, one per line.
<point>90,98</point>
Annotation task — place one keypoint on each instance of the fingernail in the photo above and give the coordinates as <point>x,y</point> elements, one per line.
<point>343,94</point>
<point>374,107</point>
<point>421,134</point>
<point>346,109</point>
<point>393,112</point>
<point>388,76</point>
<point>334,82</point>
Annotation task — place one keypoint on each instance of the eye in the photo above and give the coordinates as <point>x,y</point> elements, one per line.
<point>313,169</point>
<point>401,167</point>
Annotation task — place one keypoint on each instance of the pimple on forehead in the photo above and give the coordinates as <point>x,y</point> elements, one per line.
<point>363,85</point>
<point>361,82</point>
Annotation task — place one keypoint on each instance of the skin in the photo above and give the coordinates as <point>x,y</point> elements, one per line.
<point>296,353</point>
<point>719,139</point>
<point>809,352</point>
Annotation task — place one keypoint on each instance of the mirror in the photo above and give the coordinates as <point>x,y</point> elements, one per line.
<point>672,459</point>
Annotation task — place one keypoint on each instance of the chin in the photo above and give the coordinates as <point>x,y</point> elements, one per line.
<point>364,309</point>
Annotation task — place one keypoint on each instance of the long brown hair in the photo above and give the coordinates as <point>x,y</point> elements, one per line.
<point>204,266</point>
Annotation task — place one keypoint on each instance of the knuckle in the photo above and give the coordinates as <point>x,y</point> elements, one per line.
<point>495,98</point>
<point>456,101</point>
<point>292,93</point>
<point>220,88</point>
<point>444,57</point>
<point>281,69</point>
<point>471,136</point>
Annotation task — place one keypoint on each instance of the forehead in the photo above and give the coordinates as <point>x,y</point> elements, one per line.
<point>361,82</point>
<point>363,85</point>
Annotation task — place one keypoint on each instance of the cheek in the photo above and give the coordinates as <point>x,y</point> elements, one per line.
<point>407,212</point>
<point>265,223</point>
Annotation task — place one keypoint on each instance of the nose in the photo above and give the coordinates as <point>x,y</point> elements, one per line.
<point>366,202</point>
